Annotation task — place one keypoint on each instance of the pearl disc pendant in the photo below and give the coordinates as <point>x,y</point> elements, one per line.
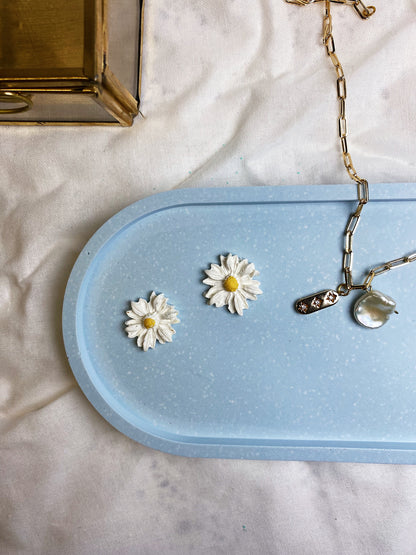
<point>373,309</point>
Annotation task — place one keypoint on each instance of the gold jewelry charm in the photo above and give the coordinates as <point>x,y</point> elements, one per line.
<point>316,302</point>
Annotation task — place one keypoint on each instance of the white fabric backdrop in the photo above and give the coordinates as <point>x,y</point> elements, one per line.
<point>233,93</point>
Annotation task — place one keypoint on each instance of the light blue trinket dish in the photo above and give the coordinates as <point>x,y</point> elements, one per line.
<point>271,384</point>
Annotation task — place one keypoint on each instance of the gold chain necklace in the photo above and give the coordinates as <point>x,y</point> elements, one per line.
<point>372,309</point>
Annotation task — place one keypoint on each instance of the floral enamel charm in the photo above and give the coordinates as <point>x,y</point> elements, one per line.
<point>151,321</point>
<point>231,283</point>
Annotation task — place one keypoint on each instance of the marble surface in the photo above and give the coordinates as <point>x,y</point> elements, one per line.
<point>233,93</point>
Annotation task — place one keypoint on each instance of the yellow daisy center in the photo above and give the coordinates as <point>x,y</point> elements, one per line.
<point>230,284</point>
<point>148,323</point>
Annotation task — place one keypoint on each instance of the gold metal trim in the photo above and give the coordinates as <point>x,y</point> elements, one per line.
<point>116,99</point>
<point>14,98</point>
<point>140,53</point>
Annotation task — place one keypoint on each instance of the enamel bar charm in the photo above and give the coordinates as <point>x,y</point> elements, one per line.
<point>316,302</point>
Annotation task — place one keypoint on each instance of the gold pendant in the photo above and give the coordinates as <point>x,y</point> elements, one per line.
<point>317,301</point>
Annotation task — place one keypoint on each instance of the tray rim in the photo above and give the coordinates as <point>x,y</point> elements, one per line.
<point>285,449</point>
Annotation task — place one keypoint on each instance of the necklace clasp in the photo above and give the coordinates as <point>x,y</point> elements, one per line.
<point>363,11</point>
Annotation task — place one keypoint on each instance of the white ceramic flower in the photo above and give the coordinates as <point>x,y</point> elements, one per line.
<point>232,283</point>
<point>151,320</point>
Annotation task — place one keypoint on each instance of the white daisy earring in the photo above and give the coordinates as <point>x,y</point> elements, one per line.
<point>232,283</point>
<point>151,321</point>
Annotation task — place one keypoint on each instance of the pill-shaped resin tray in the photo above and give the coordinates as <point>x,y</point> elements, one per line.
<point>273,383</point>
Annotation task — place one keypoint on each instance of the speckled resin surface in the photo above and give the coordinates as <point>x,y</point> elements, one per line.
<point>274,384</point>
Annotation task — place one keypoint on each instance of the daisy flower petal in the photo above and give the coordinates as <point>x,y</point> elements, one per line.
<point>231,263</point>
<point>239,307</point>
<point>212,291</point>
<point>220,298</point>
<point>170,315</point>
<point>240,300</point>
<point>231,304</point>
<point>149,340</point>
<point>249,296</point>
<point>250,271</point>
<point>133,331</point>
<point>164,334</point>
<point>252,288</point>
<point>216,272</point>
<point>159,302</point>
<point>209,281</point>
<point>140,308</point>
<point>241,266</point>
<point>140,338</point>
